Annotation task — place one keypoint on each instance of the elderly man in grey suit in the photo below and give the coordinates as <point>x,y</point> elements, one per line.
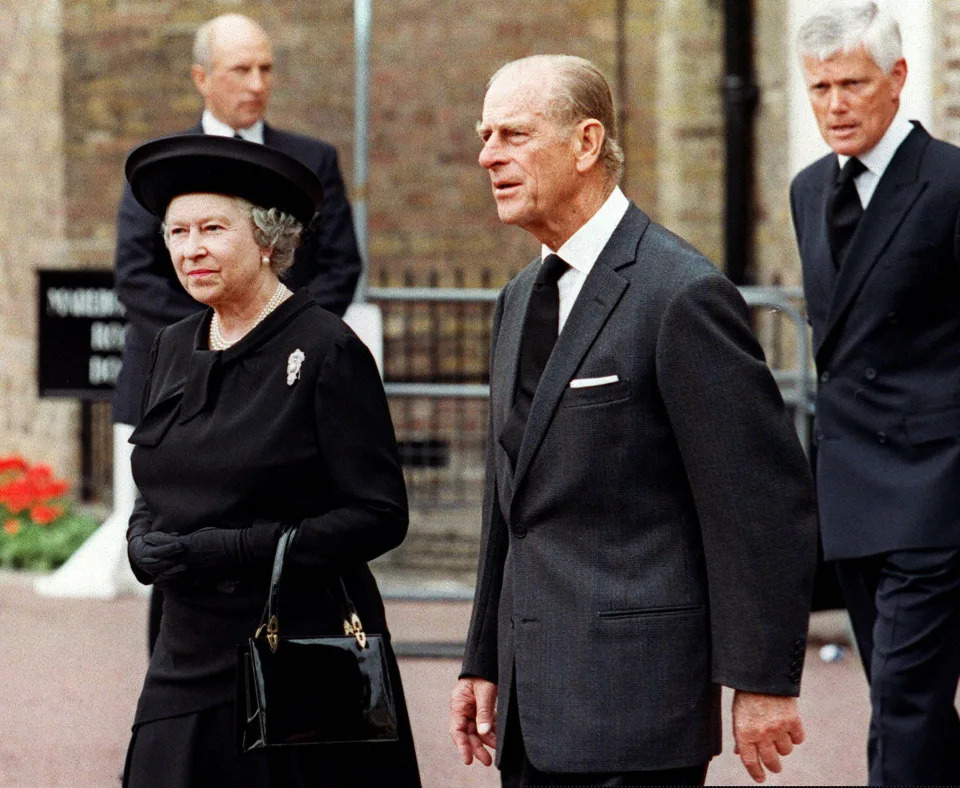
<point>649,527</point>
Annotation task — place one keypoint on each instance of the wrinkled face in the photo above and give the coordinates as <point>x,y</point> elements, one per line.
<point>236,88</point>
<point>217,260</point>
<point>853,99</point>
<point>531,160</point>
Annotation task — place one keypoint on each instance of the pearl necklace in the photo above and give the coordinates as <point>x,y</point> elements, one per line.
<point>219,342</point>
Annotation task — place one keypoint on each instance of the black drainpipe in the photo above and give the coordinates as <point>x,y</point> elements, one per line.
<point>740,101</point>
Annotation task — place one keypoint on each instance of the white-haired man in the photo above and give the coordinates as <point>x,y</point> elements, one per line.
<point>876,223</point>
<point>628,567</point>
<point>233,72</point>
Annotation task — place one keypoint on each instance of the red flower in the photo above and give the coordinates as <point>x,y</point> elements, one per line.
<point>23,487</point>
<point>42,514</point>
<point>12,526</point>
<point>13,463</point>
<point>17,495</point>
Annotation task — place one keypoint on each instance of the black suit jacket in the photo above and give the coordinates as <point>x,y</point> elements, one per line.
<point>328,264</point>
<point>886,336</point>
<point>657,538</point>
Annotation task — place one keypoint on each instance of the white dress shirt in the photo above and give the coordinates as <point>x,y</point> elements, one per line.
<point>582,249</point>
<point>877,159</point>
<point>213,126</point>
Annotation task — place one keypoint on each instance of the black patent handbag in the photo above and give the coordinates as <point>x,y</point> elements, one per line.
<point>312,690</point>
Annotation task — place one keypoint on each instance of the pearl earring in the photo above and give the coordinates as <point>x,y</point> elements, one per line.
<point>265,260</point>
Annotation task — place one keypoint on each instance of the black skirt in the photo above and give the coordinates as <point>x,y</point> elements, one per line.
<point>199,750</point>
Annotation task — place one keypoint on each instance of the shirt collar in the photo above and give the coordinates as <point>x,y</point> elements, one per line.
<point>878,158</point>
<point>582,249</point>
<point>217,128</point>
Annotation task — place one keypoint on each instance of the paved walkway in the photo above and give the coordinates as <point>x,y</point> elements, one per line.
<point>70,672</point>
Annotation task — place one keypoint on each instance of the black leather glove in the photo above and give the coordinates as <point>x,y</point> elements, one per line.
<point>153,554</point>
<point>214,554</point>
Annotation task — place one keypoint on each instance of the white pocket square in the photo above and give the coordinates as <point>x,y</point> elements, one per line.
<point>585,383</point>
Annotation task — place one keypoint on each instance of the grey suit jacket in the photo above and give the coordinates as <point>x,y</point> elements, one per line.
<point>886,334</point>
<point>657,538</point>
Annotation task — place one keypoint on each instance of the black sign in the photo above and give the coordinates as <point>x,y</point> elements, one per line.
<point>80,334</point>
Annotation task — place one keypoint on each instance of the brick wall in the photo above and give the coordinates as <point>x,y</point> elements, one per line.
<point>946,102</point>
<point>92,78</point>
<point>429,203</point>
<point>690,122</point>
<point>32,224</point>
<point>776,258</point>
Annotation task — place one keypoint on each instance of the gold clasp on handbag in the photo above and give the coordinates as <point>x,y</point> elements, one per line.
<point>273,630</point>
<point>355,628</point>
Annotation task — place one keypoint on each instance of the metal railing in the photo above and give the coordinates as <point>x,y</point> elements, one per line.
<point>796,382</point>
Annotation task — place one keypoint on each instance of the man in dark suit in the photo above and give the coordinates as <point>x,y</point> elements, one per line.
<point>233,71</point>
<point>648,527</point>
<point>876,223</point>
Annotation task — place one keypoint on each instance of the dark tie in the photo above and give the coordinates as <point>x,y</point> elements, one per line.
<point>237,135</point>
<point>844,209</point>
<point>539,336</point>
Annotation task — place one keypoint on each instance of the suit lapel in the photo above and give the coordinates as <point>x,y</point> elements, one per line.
<point>823,271</point>
<point>269,137</point>
<point>506,364</point>
<point>601,292</point>
<point>896,193</point>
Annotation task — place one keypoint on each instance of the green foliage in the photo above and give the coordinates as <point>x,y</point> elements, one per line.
<point>38,527</point>
<point>47,546</point>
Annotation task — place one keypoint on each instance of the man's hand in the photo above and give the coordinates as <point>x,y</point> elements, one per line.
<point>473,719</point>
<point>764,728</point>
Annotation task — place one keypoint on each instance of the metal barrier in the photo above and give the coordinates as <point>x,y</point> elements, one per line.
<point>796,383</point>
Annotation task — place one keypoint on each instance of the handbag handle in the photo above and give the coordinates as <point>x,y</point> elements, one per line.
<point>269,622</point>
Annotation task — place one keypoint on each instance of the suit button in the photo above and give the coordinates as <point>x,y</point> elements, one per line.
<point>892,317</point>
<point>519,532</point>
<point>870,373</point>
<point>881,437</point>
<point>825,377</point>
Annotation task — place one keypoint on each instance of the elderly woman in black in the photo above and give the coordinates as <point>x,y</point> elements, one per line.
<point>263,411</point>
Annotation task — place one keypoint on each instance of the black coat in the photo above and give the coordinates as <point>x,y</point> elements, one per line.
<point>657,536</point>
<point>224,441</point>
<point>886,338</point>
<point>328,264</point>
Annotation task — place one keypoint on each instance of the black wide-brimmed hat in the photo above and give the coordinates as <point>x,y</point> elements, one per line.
<point>167,167</point>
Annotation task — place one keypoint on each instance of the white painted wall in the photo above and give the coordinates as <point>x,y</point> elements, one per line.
<point>916,25</point>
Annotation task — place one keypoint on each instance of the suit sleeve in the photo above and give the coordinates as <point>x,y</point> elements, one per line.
<point>751,484</point>
<point>141,520</point>
<point>145,282</point>
<point>480,656</point>
<point>956,241</point>
<point>361,464</point>
<point>795,210</point>
<point>336,265</point>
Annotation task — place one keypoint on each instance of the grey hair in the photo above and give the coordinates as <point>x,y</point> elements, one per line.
<point>578,91</point>
<point>278,231</point>
<point>845,27</point>
<point>206,35</point>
